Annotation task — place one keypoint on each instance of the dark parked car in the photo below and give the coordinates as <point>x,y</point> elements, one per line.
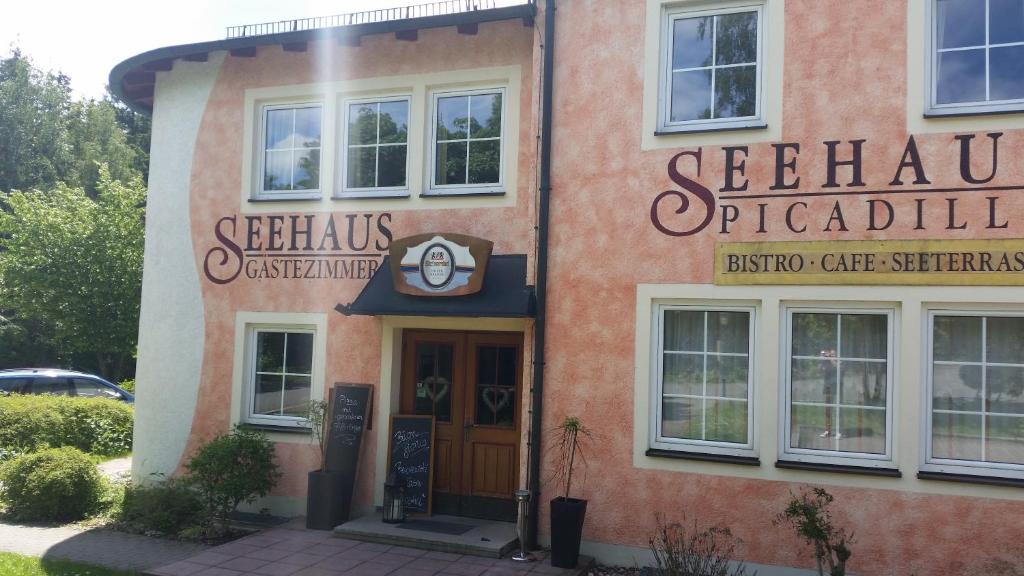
<point>59,382</point>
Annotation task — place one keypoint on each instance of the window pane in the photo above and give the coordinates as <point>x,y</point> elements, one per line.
<point>729,332</point>
<point>956,387</point>
<point>451,117</point>
<point>864,336</point>
<point>362,124</point>
<point>956,436</point>
<point>485,121</point>
<point>434,380</point>
<point>495,406</point>
<point>1007,73</point>
<point>691,95</point>
<point>1005,339</point>
<point>268,394</point>
<point>691,42</point>
<point>726,421</point>
<point>277,174</point>
<point>813,427</point>
<point>487,365</point>
<point>279,129</point>
<point>735,92</point>
<point>736,38</point>
<point>296,395</point>
<point>863,383</point>
<point>961,76</point>
<point>392,166</point>
<point>1006,21</point>
<point>956,338</point>
<point>727,376</point>
<point>814,380</point>
<point>484,160</point>
<point>681,418</point>
<point>307,127</point>
<point>270,351</point>
<point>684,330</point>
<point>91,388</point>
<point>507,366</point>
<point>451,163</point>
<point>960,23</point>
<point>683,374</point>
<point>361,167</point>
<point>1004,389</point>
<point>307,170</point>
<point>861,430</point>
<point>394,121</point>
<point>1004,439</point>
<point>814,334</point>
<point>299,353</point>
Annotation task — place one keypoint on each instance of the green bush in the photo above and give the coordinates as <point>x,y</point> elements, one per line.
<point>231,469</point>
<point>95,425</point>
<point>56,484</point>
<point>167,508</point>
<point>128,385</point>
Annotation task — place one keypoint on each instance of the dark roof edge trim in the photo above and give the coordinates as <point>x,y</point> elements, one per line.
<point>138,61</point>
<point>346,311</point>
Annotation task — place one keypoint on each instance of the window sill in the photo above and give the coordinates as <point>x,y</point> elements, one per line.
<point>704,457</point>
<point>839,468</point>
<point>466,192</point>
<point>374,195</point>
<point>971,479</point>
<point>938,115</point>
<point>300,198</point>
<point>696,130</point>
<point>296,430</point>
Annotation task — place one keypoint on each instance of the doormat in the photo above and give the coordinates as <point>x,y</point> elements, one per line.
<point>437,526</point>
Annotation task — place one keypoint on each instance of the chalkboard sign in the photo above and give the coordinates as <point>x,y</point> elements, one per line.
<point>349,406</point>
<point>411,456</point>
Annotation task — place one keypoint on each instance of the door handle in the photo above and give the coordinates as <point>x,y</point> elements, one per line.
<point>466,427</point>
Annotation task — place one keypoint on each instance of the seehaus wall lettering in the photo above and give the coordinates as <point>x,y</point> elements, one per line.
<point>783,207</point>
<point>298,246</point>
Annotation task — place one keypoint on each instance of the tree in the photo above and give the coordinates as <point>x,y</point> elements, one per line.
<point>73,264</point>
<point>97,136</point>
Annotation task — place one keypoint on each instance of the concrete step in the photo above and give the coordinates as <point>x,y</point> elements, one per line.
<point>484,538</point>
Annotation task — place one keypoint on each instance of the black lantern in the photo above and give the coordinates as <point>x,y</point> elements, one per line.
<point>394,500</point>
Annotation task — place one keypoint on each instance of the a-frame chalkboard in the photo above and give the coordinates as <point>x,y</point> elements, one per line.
<point>411,457</point>
<point>349,406</point>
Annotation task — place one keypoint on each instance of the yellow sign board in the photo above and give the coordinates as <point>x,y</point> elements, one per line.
<point>910,262</point>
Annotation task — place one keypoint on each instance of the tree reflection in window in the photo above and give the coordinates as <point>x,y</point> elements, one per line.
<point>377,147</point>
<point>468,139</point>
<point>291,158</point>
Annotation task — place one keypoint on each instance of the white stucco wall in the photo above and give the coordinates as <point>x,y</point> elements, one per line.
<point>171,327</point>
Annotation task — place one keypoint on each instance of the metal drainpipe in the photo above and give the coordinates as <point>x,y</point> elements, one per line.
<point>537,393</point>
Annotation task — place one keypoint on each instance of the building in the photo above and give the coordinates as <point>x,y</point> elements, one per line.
<point>785,250</point>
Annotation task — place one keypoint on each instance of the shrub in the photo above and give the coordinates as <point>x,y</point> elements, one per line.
<point>231,469</point>
<point>698,552</point>
<point>808,513</point>
<point>128,385</point>
<point>167,508</point>
<point>95,425</point>
<point>56,484</point>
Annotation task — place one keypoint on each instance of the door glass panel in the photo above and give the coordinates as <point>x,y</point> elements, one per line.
<point>496,386</point>
<point>434,380</point>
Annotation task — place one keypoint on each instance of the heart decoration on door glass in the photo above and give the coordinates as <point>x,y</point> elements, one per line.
<point>496,398</point>
<point>436,387</point>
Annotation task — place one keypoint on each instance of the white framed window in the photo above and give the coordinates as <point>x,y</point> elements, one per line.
<point>375,158</point>
<point>838,386</point>
<point>467,142</point>
<point>290,142</point>
<point>976,56</point>
<point>704,379</point>
<point>279,381</point>
<point>975,376</point>
<point>712,66</point>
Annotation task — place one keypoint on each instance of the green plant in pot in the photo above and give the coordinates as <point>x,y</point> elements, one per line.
<point>324,492</point>
<point>568,513</point>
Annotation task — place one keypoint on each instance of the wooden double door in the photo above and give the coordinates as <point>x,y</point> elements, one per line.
<point>471,382</point>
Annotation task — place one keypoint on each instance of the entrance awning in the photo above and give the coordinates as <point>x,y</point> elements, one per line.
<point>504,294</point>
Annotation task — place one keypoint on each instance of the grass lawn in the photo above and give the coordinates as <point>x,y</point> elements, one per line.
<point>18,565</point>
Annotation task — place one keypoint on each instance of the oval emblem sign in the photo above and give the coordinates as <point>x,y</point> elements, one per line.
<point>437,265</point>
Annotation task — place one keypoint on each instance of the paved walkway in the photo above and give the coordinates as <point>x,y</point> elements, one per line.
<point>94,546</point>
<point>118,469</point>
<point>289,552</point>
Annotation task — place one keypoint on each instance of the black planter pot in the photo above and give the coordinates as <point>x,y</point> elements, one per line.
<point>567,515</point>
<point>324,500</point>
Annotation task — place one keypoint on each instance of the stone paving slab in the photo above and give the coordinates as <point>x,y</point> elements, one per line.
<point>94,546</point>
<point>291,552</point>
